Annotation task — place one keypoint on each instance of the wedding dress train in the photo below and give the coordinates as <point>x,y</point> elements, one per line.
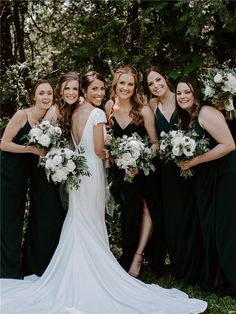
<point>83,276</point>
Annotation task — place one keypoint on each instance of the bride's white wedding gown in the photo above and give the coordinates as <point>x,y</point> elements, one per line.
<point>83,276</point>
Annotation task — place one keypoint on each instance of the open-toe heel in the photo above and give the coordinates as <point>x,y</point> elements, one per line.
<point>136,264</point>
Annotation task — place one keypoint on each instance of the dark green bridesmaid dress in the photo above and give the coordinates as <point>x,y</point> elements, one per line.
<point>216,202</point>
<point>15,173</point>
<point>131,196</point>
<point>181,226</point>
<point>46,217</point>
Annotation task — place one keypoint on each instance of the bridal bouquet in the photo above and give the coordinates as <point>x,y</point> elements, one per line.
<point>220,87</point>
<point>62,165</point>
<point>131,154</point>
<point>45,135</point>
<point>178,145</point>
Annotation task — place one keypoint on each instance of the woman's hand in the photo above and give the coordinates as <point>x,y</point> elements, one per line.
<point>132,172</point>
<point>36,151</point>
<point>185,165</point>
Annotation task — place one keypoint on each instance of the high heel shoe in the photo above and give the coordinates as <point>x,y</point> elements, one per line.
<point>136,265</point>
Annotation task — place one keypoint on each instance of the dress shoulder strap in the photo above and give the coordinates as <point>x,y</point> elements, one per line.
<point>73,139</point>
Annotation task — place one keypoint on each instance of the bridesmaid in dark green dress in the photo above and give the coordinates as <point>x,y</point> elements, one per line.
<point>17,163</point>
<point>216,186</point>
<point>181,226</point>
<point>126,115</point>
<point>46,211</point>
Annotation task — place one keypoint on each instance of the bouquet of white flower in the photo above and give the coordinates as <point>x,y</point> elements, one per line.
<point>65,166</point>
<point>131,154</point>
<point>219,87</point>
<point>45,135</point>
<point>178,145</point>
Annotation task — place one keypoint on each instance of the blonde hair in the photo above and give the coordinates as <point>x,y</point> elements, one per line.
<point>136,98</point>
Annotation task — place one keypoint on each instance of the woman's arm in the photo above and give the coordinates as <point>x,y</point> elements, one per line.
<point>213,121</point>
<point>149,123</point>
<point>14,125</point>
<point>99,140</point>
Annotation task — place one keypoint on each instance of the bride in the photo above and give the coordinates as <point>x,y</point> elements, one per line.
<point>83,276</point>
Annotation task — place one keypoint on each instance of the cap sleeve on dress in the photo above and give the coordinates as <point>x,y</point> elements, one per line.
<point>100,117</point>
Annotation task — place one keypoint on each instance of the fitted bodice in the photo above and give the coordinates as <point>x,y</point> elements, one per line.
<point>131,128</point>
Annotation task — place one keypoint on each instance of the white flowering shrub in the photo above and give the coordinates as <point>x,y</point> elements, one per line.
<point>178,146</point>
<point>219,85</point>
<point>16,83</point>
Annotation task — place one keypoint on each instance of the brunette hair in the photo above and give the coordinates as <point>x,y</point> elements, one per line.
<point>136,98</point>
<point>65,110</point>
<point>89,78</point>
<point>147,71</point>
<point>36,85</point>
<point>188,121</point>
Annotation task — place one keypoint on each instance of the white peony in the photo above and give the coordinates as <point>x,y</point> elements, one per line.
<point>218,78</point>
<point>44,140</point>
<point>59,176</point>
<point>50,164</point>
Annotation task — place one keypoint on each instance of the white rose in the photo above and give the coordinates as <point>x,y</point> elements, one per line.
<point>50,164</point>
<point>57,159</point>
<point>68,153</point>
<point>173,133</point>
<point>176,151</point>
<point>126,161</point>
<point>70,166</point>
<point>35,133</point>
<point>209,92</point>
<point>230,84</point>
<point>59,176</point>
<point>44,140</point>
<point>217,78</point>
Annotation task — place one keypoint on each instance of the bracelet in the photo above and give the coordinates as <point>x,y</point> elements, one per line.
<point>154,142</point>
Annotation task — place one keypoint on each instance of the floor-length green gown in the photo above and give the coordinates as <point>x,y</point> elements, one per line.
<point>15,173</point>
<point>181,226</point>
<point>216,202</point>
<point>46,216</point>
<point>131,197</point>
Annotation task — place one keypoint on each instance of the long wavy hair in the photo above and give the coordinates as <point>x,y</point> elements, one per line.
<point>136,98</point>
<point>65,110</point>
<point>146,72</point>
<point>186,120</point>
<point>35,86</point>
<point>89,78</point>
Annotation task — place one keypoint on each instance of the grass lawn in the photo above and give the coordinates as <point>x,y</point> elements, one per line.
<point>216,304</point>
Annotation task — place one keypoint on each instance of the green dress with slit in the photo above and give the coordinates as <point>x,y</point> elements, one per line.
<point>216,203</point>
<point>15,173</point>
<point>181,226</point>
